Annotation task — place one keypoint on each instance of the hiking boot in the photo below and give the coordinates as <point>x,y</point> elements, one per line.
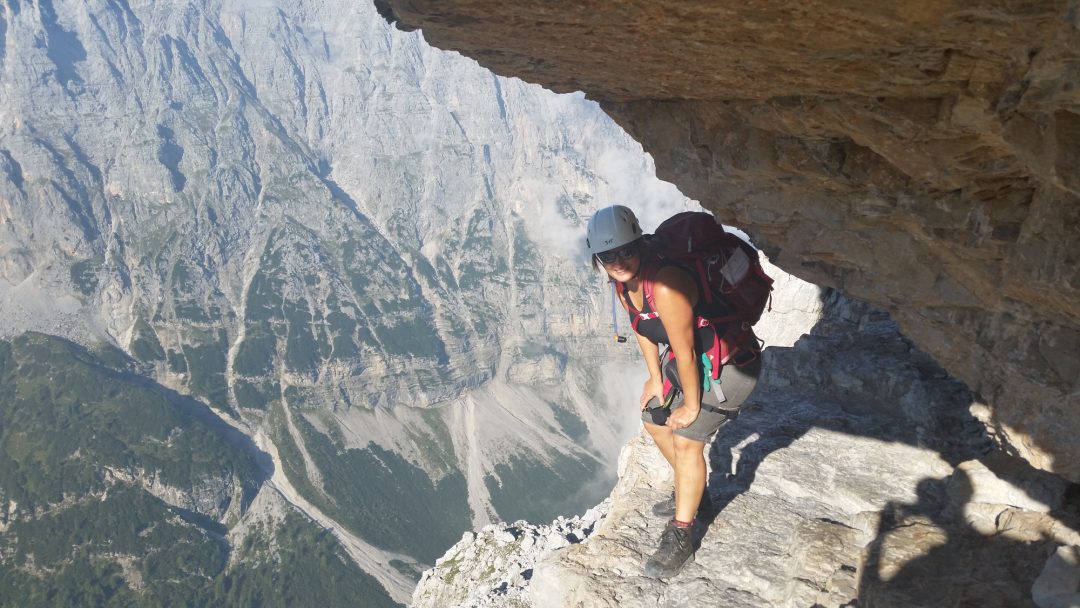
<point>666,507</point>
<point>675,551</point>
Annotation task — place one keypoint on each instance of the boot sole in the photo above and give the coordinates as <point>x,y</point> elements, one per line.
<point>655,572</point>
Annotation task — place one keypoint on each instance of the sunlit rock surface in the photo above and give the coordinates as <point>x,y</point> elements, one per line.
<point>360,251</point>
<point>919,156</point>
<point>857,475</point>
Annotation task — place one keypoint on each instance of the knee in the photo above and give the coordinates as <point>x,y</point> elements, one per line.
<point>688,448</point>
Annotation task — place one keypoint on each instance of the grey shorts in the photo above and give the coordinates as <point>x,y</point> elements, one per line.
<point>719,405</point>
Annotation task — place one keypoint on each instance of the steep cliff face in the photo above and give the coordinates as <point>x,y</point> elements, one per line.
<point>855,475</point>
<point>117,491</point>
<point>919,156</point>
<point>359,250</point>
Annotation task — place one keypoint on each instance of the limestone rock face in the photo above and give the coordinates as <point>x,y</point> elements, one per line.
<point>349,245</point>
<point>217,497</point>
<point>924,157</point>
<point>855,475</point>
<point>492,568</point>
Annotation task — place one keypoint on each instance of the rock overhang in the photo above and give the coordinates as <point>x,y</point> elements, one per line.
<point>923,157</point>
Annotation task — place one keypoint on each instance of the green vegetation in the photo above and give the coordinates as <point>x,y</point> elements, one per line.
<point>527,260</point>
<point>292,459</point>
<point>96,550</point>
<point>451,569</point>
<point>382,309</point>
<point>290,329</point>
<point>363,331</point>
<point>98,522</point>
<point>77,539</point>
<point>301,350</point>
<point>182,281</point>
<point>57,399</point>
<point>436,440</point>
<point>407,569</point>
<point>206,365</point>
<point>186,306</point>
<point>411,337</point>
<point>111,356</point>
<point>144,343</point>
<point>398,317</point>
<point>257,352</point>
<point>480,326</point>
<point>255,356</point>
<point>447,273</point>
<point>158,243</point>
<point>516,497</point>
<point>570,423</point>
<point>192,311</point>
<point>308,568</point>
<point>84,274</point>
<point>428,272</point>
<point>372,491</point>
<point>264,294</point>
<point>400,226</point>
<point>177,362</point>
<point>342,328</point>
<point>303,397</point>
<point>255,395</point>
<point>481,262</point>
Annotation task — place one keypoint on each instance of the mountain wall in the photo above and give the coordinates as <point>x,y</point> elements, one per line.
<point>117,491</point>
<point>922,157</point>
<point>359,251</point>
<point>856,475</point>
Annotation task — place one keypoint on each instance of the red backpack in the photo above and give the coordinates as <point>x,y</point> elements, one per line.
<point>736,288</point>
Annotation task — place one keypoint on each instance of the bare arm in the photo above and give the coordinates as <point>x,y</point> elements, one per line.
<point>654,386</point>
<point>675,295</point>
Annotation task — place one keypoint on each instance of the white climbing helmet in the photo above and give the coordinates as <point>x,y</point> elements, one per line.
<point>610,228</point>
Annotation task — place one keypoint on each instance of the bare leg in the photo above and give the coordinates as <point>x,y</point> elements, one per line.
<point>689,464</point>
<point>662,436</point>
<point>687,458</point>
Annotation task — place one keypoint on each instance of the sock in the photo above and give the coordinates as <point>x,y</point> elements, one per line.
<point>682,524</point>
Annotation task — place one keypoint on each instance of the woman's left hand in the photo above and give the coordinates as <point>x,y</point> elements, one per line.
<point>682,417</point>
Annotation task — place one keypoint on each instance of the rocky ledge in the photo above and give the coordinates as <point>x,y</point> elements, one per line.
<point>492,568</point>
<point>859,474</point>
<point>923,157</point>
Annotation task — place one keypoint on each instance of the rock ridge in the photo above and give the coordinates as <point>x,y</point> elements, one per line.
<point>922,158</point>
<point>856,475</point>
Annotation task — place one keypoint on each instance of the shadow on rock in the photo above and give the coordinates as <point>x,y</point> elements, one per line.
<point>982,523</point>
<point>926,555</point>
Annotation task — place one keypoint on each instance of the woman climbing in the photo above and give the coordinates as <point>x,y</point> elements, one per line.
<point>680,427</point>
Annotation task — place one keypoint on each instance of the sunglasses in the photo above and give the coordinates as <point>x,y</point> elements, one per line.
<point>618,255</point>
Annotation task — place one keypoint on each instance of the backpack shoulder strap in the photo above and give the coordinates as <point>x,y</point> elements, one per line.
<point>624,293</point>
<point>696,274</point>
<point>647,285</point>
<point>648,274</point>
<point>635,314</point>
